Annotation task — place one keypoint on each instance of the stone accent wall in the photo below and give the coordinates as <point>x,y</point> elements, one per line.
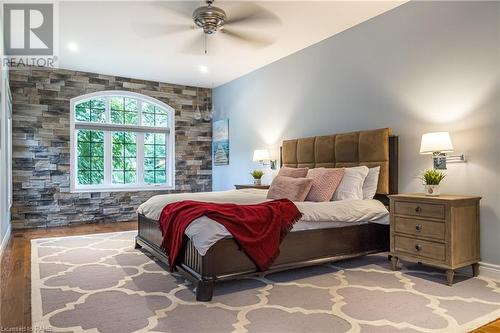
<point>41,154</point>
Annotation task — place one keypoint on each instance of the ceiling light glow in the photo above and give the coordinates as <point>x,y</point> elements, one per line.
<point>73,47</point>
<point>203,69</point>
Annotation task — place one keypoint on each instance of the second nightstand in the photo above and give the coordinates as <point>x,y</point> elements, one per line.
<point>260,187</point>
<point>440,231</point>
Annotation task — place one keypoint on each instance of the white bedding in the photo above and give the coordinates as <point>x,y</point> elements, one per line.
<point>205,232</point>
<point>153,207</point>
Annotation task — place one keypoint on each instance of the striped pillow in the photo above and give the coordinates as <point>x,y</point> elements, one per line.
<point>324,183</point>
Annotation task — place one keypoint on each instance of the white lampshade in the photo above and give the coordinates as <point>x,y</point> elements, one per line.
<point>260,155</point>
<point>436,142</point>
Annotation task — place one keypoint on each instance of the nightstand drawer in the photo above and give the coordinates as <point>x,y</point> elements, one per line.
<point>419,227</point>
<point>420,248</point>
<point>436,211</point>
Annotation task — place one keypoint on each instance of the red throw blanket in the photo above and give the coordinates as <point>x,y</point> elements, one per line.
<point>258,229</point>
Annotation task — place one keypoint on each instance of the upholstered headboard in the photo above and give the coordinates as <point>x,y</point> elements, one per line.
<point>370,148</point>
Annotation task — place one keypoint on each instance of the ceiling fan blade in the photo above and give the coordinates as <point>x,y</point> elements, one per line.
<point>180,8</point>
<point>152,30</point>
<point>250,13</point>
<point>196,46</point>
<point>256,39</point>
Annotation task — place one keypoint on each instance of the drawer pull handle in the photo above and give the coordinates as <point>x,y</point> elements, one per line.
<point>418,209</point>
<point>418,227</point>
<point>418,247</point>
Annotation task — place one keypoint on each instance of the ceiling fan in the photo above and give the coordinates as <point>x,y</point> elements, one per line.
<point>211,19</point>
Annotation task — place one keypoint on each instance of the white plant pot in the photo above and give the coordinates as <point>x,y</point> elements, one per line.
<point>432,190</point>
<point>257,181</point>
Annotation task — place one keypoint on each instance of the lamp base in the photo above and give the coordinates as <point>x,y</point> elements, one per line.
<point>439,161</point>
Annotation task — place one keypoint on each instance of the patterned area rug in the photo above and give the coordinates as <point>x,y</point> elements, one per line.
<point>99,283</point>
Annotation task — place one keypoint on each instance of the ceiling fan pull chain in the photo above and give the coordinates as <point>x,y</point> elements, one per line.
<point>205,39</point>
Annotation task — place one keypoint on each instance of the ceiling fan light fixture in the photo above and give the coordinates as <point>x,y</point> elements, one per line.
<point>209,17</point>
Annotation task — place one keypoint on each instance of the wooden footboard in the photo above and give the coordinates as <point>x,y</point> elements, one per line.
<point>225,260</point>
<point>190,262</point>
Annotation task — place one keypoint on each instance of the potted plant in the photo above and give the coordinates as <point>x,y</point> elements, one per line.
<point>257,175</point>
<point>431,179</point>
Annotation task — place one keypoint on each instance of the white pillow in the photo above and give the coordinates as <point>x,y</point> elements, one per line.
<point>351,186</point>
<point>371,183</point>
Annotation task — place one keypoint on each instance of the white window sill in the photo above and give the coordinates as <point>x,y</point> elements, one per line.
<point>122,189</point>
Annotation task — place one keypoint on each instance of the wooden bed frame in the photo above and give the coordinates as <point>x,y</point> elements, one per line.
<point>225,260</point>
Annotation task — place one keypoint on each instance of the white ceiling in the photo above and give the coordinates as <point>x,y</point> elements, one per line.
<point>126,38</point>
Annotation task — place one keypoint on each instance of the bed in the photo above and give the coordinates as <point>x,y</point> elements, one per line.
<point>305,245</point>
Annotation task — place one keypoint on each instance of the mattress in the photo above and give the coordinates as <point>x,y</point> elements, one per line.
<point>204,232</point>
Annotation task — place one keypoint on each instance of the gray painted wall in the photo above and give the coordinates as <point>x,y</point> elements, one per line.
<point>421,67</point>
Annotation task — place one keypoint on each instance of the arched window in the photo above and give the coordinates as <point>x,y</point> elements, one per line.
<point>121,141</point>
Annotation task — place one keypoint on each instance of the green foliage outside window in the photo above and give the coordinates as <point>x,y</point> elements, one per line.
<point>91,111</point>
<point>90,150</point>
<point>155,158</point>
<point>154,116</point>
<point>90,142</point>
<point>124,157</point>
<point>124,110</point>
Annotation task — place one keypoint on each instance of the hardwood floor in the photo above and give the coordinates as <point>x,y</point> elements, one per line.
<point>493,327</point>
<point>15,273</point>
<point>15,270</point>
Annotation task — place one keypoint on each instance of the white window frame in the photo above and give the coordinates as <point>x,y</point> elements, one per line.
<point>108,127</point>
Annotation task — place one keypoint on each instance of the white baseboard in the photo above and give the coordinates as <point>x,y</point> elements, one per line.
<point>486,270</point>
<point>5,240</point>
<point>490,271</point>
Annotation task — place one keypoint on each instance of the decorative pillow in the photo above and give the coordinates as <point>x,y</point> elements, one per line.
<point>325,182</point>
<point>294,189</point>
<point>293,172</point>
<point>351,186</point>
<point>371,183</point>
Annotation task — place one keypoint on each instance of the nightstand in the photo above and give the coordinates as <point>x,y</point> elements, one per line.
<point>439,231</point>
<point>260,187</point>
